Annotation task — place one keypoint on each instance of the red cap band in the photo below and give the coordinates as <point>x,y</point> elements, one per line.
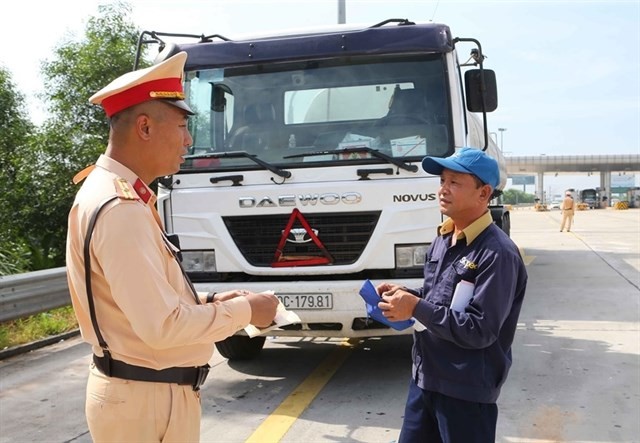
<point>166,88</point>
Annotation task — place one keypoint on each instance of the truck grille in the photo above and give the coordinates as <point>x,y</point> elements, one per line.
<point>344,235</point>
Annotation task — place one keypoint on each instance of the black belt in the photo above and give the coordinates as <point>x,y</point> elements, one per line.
<point>194,376</point>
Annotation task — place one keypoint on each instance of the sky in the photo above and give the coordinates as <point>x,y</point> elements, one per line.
<point>568,72</point>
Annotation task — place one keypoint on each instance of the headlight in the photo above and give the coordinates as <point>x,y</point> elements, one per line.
<point>411,256</point>
<point>199,261</point>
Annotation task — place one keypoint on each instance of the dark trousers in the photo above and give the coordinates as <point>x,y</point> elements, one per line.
<point>435,418</point>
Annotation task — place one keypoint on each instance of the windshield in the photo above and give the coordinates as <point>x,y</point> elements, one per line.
<point>281,112</point>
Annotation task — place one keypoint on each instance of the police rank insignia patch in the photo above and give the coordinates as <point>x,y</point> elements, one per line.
<point>123,189</point>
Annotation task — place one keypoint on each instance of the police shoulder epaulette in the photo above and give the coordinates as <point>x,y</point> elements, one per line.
<point>124,190</point>
<point>83,174</point>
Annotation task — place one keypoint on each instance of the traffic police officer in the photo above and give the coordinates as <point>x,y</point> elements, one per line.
<point>568,210</point>
<point>152,333</point>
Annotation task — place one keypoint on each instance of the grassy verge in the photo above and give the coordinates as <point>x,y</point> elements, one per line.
<point>37,327</point>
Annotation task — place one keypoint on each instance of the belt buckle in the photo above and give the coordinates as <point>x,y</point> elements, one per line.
<point>203,371</point>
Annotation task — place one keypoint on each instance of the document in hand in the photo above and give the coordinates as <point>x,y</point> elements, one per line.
<point>282,318</point>
<point>370,295</point>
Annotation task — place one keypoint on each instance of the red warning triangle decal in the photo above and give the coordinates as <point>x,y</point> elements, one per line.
<point>281,260</point>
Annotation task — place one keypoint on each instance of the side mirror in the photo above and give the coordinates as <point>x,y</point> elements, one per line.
<point>474,90</point>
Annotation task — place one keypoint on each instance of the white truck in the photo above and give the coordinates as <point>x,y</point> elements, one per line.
<point>304,176</point>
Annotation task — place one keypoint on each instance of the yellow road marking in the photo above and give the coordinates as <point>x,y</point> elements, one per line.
<point>278,423</point>
<point>527,259</point>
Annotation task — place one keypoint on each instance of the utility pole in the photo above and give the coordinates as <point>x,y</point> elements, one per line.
<point>502,138</point>
<point>342,12</point>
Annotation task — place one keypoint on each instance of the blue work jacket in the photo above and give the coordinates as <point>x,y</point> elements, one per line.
<point>467,354</point>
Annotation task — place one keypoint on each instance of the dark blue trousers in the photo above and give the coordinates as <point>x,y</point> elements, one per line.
<point>430,417</point>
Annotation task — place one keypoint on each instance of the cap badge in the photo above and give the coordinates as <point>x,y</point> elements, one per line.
<point>167,94</point>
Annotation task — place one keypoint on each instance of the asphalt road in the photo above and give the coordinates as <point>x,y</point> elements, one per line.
<point>576,373</point>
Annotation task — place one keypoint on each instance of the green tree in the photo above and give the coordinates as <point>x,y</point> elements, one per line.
<point>74,134</point>
<point>514,197</point>
<point>81,68</point>
<point>14,141</point>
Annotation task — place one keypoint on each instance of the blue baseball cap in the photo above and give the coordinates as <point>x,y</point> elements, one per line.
<point>468,161</point>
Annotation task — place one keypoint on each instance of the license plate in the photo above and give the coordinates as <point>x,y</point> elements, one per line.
<point>306,301</point>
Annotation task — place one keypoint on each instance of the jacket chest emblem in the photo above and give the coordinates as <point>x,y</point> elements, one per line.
<point>468,264</point>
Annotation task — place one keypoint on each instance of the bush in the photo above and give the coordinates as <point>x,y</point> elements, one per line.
<point>37,327</point>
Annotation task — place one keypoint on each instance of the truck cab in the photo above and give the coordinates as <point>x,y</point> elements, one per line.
<point>304,176</point>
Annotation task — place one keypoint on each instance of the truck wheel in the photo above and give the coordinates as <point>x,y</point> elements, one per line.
<point>502,219</point>
<point>506,223</point>
<point>240,347</point>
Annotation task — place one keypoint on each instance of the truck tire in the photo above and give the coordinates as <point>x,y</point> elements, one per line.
<point>506,223</point>
<point>240,347</point>
<point>501,218</point>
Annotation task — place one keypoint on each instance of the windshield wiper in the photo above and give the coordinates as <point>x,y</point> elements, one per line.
<point>394,161</point>
<point>243,154</point>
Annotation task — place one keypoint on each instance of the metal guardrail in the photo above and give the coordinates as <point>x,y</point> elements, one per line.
<point>30,293</point>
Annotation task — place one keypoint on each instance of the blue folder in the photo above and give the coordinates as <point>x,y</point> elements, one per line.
<point>371,298</point>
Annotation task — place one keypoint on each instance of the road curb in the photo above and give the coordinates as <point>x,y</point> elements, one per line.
<point>28,347</point>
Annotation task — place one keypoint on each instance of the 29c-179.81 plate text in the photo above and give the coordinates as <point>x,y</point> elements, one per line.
<point>307,301</point>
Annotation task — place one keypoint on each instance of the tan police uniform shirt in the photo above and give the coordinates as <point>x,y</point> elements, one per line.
<point>145,308</point>
<point>568,204</point>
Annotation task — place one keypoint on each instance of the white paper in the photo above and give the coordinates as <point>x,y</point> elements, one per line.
<point>462,295</point>
<point>418,326</point>
<point>282,318</point>
<point>415,145</point>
